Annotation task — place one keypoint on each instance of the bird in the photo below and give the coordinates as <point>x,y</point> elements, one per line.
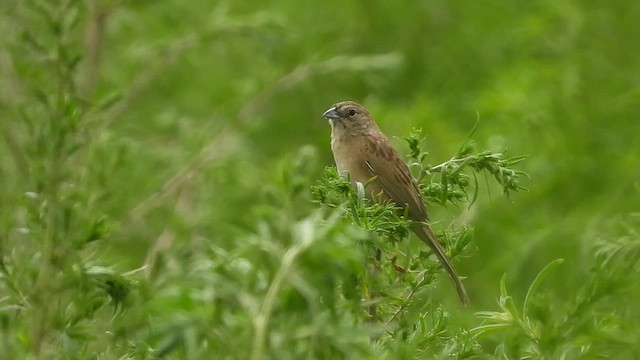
<point>364,155</point>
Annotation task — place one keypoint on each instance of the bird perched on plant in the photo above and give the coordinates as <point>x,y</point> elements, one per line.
<point>364,154</point>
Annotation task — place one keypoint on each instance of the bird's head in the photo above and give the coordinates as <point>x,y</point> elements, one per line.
<point>350,117</point>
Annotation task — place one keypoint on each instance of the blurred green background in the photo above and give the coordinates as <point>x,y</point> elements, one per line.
<point>210,104</point>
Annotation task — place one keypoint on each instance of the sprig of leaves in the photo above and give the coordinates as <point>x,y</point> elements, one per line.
<point>456,174</point>
<point>384,220</point>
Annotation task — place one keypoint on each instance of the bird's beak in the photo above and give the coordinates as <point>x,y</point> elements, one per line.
<point>331,114</point>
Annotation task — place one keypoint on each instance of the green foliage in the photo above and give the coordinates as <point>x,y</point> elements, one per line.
<point>396,284</point>
<point>383,219</point>
<point>156,162</point>
<point>54,293</point>
<point>587,326</point>
<point>455,184</point>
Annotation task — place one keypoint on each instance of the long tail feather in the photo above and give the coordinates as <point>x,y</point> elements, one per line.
<point>425,234</point>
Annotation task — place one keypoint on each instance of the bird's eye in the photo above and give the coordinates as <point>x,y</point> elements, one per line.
<point>352,112</point>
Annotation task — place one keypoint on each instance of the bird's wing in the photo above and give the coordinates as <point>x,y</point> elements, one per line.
<point>392,174</point>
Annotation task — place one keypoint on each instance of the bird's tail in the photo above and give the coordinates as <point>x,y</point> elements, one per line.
<point>425,234</point>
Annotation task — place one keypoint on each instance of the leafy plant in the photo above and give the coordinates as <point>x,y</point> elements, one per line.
<point>156,161</point>
<point>585,326</point>
<point>397,284</point>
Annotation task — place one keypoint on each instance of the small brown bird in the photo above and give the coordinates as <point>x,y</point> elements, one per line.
<point>362,152</point>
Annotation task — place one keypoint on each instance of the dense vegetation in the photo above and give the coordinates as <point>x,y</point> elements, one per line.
<point>166,188</point>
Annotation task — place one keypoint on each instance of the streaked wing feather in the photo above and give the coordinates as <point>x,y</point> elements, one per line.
<point>393,175</point>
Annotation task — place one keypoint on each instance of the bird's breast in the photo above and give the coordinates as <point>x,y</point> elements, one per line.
<point>350,156</point>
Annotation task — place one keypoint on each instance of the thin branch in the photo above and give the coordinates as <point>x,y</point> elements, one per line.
<point>438,168</point>
<point>162,243</point>
<point>373,294</point>
<point>14,148</point>
<point>11,90</point>
<point>405,304</point>
<point>93,43</point>
<point>11,87</point>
